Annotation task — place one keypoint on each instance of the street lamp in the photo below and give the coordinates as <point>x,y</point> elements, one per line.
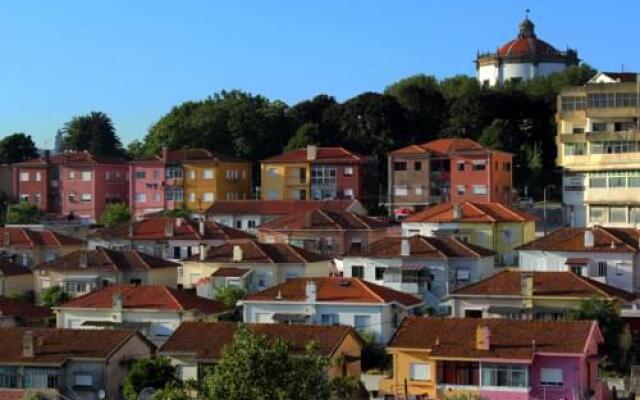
<point>544,206</point>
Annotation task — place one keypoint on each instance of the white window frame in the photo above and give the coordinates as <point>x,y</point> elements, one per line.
<point>551,377</point>
<point>208,174</point>
<point>24,177</point>
<point>86,197</point>
<point>208,196</point>
<point>420,371</point>
<point>83,380</point>
<point>85,176</point>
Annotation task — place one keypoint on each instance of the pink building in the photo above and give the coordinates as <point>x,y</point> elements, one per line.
<point>147,189</point>
<point>89,183</point>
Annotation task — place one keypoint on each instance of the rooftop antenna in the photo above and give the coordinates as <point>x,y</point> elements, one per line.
<point>526,13</point>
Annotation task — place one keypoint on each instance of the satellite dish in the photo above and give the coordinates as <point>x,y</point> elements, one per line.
<point>146,393</point>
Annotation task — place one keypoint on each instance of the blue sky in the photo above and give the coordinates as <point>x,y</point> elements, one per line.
<point>136,59</point>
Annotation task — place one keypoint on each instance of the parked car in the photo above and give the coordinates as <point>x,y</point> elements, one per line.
<point>526,202</point>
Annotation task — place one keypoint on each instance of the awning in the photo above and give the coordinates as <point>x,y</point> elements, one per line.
<point>402,211</point>
<point>578,261</point>
<point>291,318</point>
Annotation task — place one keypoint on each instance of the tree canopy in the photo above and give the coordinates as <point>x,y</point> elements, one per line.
<point>114,214</point>
<point>155,372</point>
<point>17,147</point>
<point>93,132</point>
<point>23,213</point>
<point>54,296</point>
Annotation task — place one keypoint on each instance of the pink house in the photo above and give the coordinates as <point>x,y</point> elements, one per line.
<point>89,183</point>
<point>147,189</point>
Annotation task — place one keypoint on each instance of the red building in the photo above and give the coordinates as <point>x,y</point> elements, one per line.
<point>36,181</point>
<point>448,170</point>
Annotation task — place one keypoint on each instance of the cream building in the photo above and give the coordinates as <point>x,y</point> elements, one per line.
<point>599,151</point>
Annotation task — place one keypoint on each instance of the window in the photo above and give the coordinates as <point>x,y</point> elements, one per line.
<point>479,189</point>
<point>417,166</point>
<point>192,197</point>
<point>348,193</point>
<point>72,175</point>
<point>272,195</point>
<point>602,268</point>
<point>85,197</point>
<point>251,223</point>
<point>504,375</point>
<point>506,166</point>
<point>420,371</point>
<point>38,176</point>
<point>175,194</point>
<point>140,174</point>
<point>329,319</point>
<point>599,127</point>
<point>356,246</point>
<point>572,103</point>
<point>24,177</point>
<point>272,172</point>
<point>478,165</point>
<point>24,197</point>
<point>85,176</point>
<point>357,271</point>
<point>83,380</point>
<point>598,182</point>
<point>418,190</point>
<point>618,214</point>
<point>38,198</point>
<point>348,171</point>
<point>620,267</point>
<point>460,189</point>
<point>400,166</point>
<point>551,376</point>
<point>141,197</point>
<point>8,377</point>
<point>362,322</point>
<point>460,166</point>
<point>575,149</point>
<point>634,215</point>
<point>458,373</point>
<point>400,191</point>
<point>156,197</point>
<point>239,224</point>
<point>617,181</point>
<point>207,196</point>
<point>156,174</point>
<point>380,273</point>
<point>208,174</point>
<point>41,378</point>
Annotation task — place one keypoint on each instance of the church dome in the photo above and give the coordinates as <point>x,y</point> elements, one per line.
<point>526,44</point>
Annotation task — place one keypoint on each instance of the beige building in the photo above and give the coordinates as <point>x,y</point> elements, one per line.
<point>15,280</point>
<point>599,151</point>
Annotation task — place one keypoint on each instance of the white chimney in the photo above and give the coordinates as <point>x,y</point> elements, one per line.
<point>116,301</point>
<point>237,253</point>
<point>201,228</point>
<point>405,247</point>
<point>483,337</point>
<point>168,229</point>
<point>588,238</point>
<point>178,222</point>
<point>203,252</point>
<point>310,291</point>
<point>84,259</point>
<point>28,344</point>
<point>312,152</point>
<point>457,211</point>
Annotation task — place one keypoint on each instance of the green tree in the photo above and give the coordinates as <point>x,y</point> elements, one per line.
<point>114,214</point>
<point>17,147</point>
<point>169,392</point>
<point>93,132</point>
<point>23,213</point>
<point>155,372</point>
<point>135,149</point>
<point>257,368</point>
<point>308,133</point>
<point>54,296</point>
<point>611,325</point>
<point>466,110</point>
<point>230,295</point>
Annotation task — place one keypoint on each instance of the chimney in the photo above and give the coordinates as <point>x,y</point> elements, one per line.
<point>310,291</point>
<point>203,252</point>
<point>47,156</point>
<point>483,337</point>
<point>201,228</point>
<point>178,222</point>
<point>457,211</point>
<point>526,287</point>
<point>28,344</point>
<point>131,229</point>
<point>312,152</point>
<point>237,253</point>
<point>165,153</point>
<point>116,301</point>
<point>84,261</point>
<point>6,238</point>
<point>588,238</point>
<point>279,295</point>
<point>405,247</point>
<point>168,228</point>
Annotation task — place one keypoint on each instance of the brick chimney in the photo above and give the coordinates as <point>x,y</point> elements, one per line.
<point>483,337</point>
<point>28,344</point>
<point>311,291</point>
<point>588,238</point>
<point>526,287</point>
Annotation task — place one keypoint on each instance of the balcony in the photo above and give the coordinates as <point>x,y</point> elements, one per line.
<point>295,180</point>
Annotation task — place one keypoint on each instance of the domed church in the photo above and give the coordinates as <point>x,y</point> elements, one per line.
<point>522,58</point>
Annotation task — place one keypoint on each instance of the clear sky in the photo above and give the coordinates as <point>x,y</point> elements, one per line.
<point>134,60</point>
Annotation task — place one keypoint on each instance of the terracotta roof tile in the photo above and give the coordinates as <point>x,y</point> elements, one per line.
<point>324,220</point>
<point>55,346</point>
<point>191,155</point>
<point>231,272</point>
<point>76,157</point>
<point>159,228</point>
<point>442,147</point>
<point>557,283</point>
<point>23,310</point>
<point>277,207</point>
<point>154,297</point>
<point>324,155</point>
<point>102,259</point>
<point>8,268</point>
<point>471,212</point>
<point>206,340</point>
<point>335,290</point>
<point>606,240</point>
<point>13,394</point>
<point>426,247</point>
<point>30,238</point>
<point>510,339</point>
<point>255,252</point>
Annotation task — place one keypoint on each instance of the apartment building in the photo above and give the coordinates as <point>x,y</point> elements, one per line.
<point>192,177</point>
<point>446,170</point>
<point>317,173</point>
<point>599,150</point>
<point>36,181</point>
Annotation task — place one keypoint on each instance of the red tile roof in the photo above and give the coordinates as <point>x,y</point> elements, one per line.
<point>206,340</point>
<point>7,268</point>
<point>335,290</point>
<point>23,310</point>
<point>443,147</point>
<point>324,220</point>
<point>324,155</point>
<point>154,297</point>
<point>55,346</point>
<point>526,47</point>
<point>509,339</point>
<point>426,247</point>
<point>231,272</point>
<point>102,259</point>
<point>557,283</point>
<point>13,394</point>
<point>160,228</point>
<point>606,240</point>
<point>254,252</point>
<point>471,212</point>
<point>191,155</point>
<point>18,237</point>
<point>75,157</point>
<point>278,207</point>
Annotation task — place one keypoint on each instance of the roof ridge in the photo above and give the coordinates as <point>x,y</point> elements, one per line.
<point>428,243</point>
<point>589,283</point>
<point>479,209</point>
<point>27,233</point>
<point>258,246</point>
<point>361,219</point>
<point>171,295</point>
<point>465,245</point>
<point>509,210</point>
<point>138,255</point>
<point>107,254</point>
<point>295,252</point>
<point>610,234</point>
<point>326,215</point>
<point>366,286</point>
<point>476,283</point>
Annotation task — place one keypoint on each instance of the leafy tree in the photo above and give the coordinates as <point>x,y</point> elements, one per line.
<point>257,368</point>
<point>93,132</point>
<point>23,213</point>
<point>466,111</point>
<point>230,295</point>
<point>611,325</point>
<point>54,296</point>
<point>135,149</point>
<point>171,393</point>
<point>181,212</point>
<point>308,133</point>
<point>17,147</point>
<point>114,214</point>
<point>155,372</point>
<point>374,355</point>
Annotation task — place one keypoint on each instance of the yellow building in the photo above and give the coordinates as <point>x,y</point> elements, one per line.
<point>493,226</point>
<point>218,178</point>
<point>599,151</point>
